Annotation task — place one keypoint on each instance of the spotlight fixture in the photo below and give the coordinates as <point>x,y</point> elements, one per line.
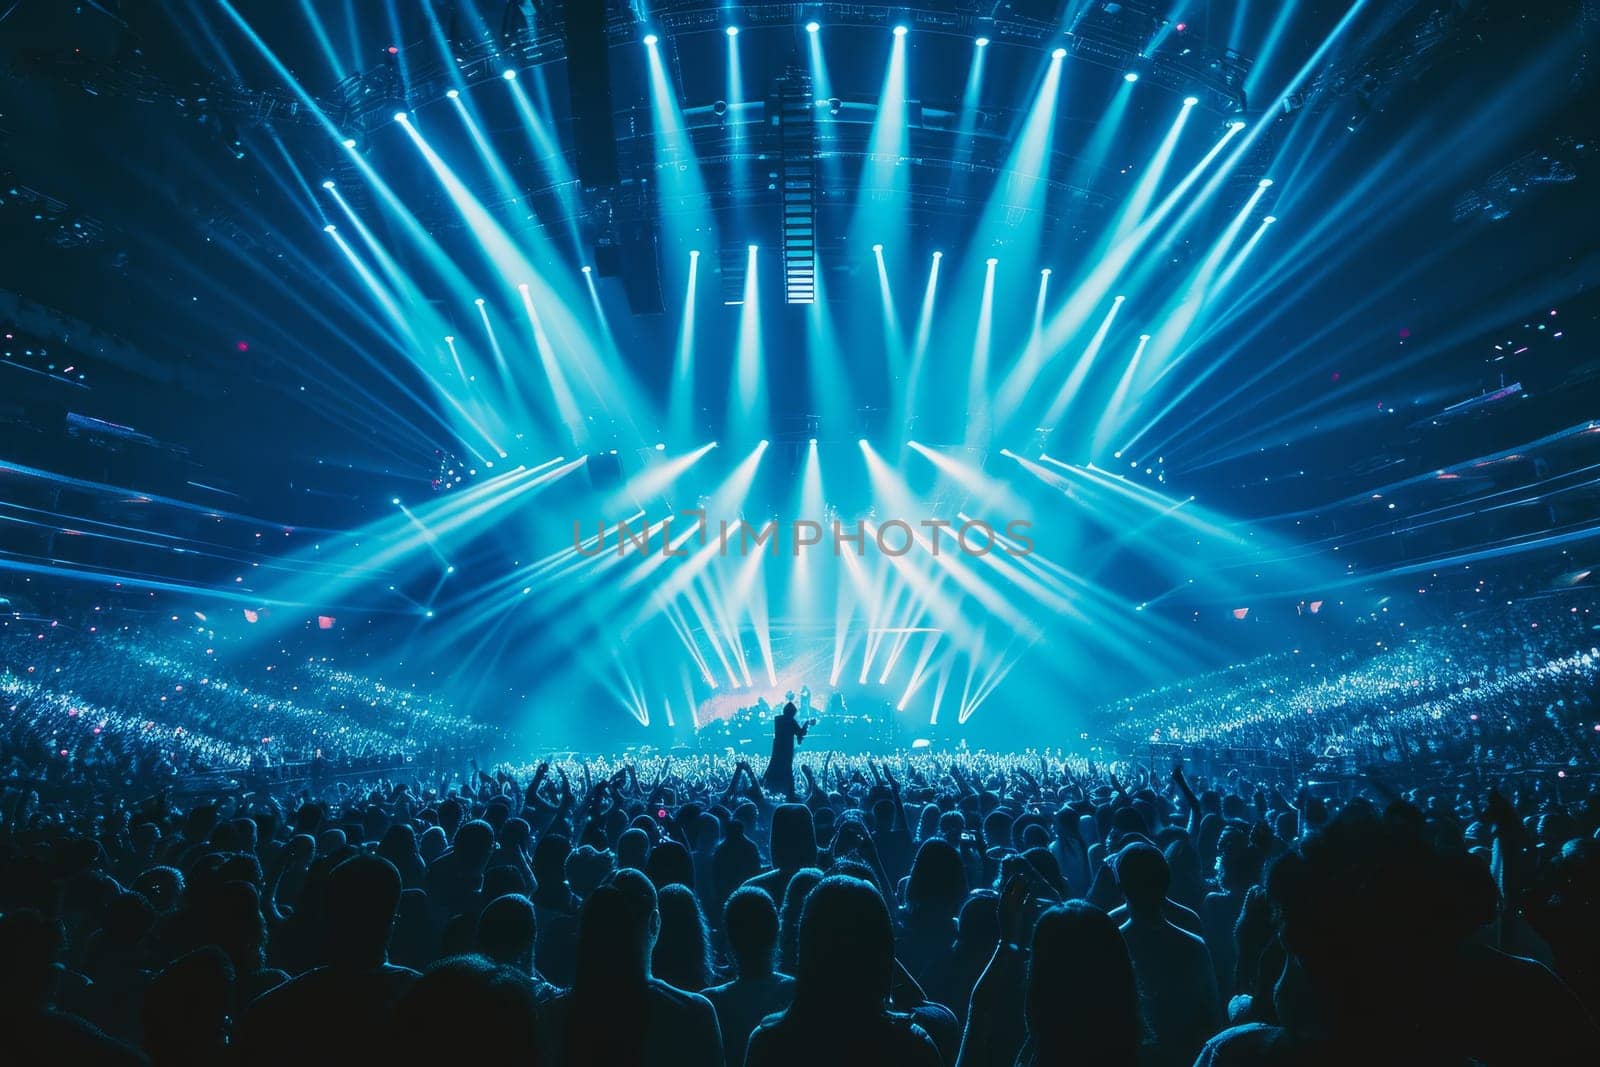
<point>587,269</point>
<point>452,93</point>
<point>991,261</point>
<point>510,75</point>
<point>982,42</point>
<point>878,249</point>
<point>1236,124</point>
<point>694,253</point>
<point>479,301</point>
<point>1045,272</point>
<point>862,442</point>
<point>899,31</point>
<point>1131,76</point>
<point>651,39</point>
<point>1059,53</point>
<point>813,26</point>
<point>1264,183</point>
<point>732,31</point>
<point>1142,337</point>
<point>1270,219</point>
<point>752,248</point>
<point>660,446</point>
<point>394,500</point>
<point>349,142</point>
<point>938,255</point>
<point>450,339</point>
<point>813,441</point>
<point>399,116</point>
<point>762,443</point>
<point>1190,101</point>
<point>328,183</point>
<point>329,228</point>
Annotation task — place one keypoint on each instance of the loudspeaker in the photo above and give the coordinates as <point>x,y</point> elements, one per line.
<point>605,470</point>
<point>589,86</point>
<point>641,269</point>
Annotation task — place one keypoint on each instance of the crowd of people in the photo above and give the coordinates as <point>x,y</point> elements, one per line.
<point>171,895</point>
<point>103,705</point>
<point>922,909</point>
<point>1508,686</point>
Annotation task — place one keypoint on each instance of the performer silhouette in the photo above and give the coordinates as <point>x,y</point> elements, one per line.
<point>787,732</point>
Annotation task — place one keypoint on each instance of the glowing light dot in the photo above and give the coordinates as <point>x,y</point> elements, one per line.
<point>991,261</point>
<point>899,31</point>
<point>1236,124</point>
<point>394,500</point>
<point>1131,76</point>
<point>732,31</point>
<point>329,228</point>
<point>328,184</point>
<point>651,39</point>
<point>1270,219</point>
<point>452,93</point>
<point>1059,53</point>
<point>1190,101</point>
<point>349,142</point>
<point>587,269</point>
<point>510,75</point>
<point>479,301</point>
<point>982,42</point>
<point>1045,272</point>
<point>813,27</point>
<point>449,338</point>
<point>877,248</point>
<point>660,447</point>
<point>399,116</point>
<point>1264,183</point>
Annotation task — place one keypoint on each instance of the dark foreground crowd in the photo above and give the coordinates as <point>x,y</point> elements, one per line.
<point>988,912</point>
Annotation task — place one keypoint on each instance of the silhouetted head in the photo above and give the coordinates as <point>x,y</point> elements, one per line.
<point>750,921</point>
<point>473,842</point>
<point>586,868</point>
<point>938,882</point>
<point>616,932</point>
<point>161,886</point>
<point>359,904</point>
<point>790,711</point>
<point>1142,875</point>
<point>187,1009</point>
<point>507,930</point>
<point>682,953</point>
<point>846,950</point>
<point>1081,1004</point>
<point>1366,906</point>
<point>978,925</point>
<point>464,1002</point>
<point>670,865</point>
<point>633,849</point>
<point>794,838</point>
<point>233,921</point>
<point>794,902</point>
